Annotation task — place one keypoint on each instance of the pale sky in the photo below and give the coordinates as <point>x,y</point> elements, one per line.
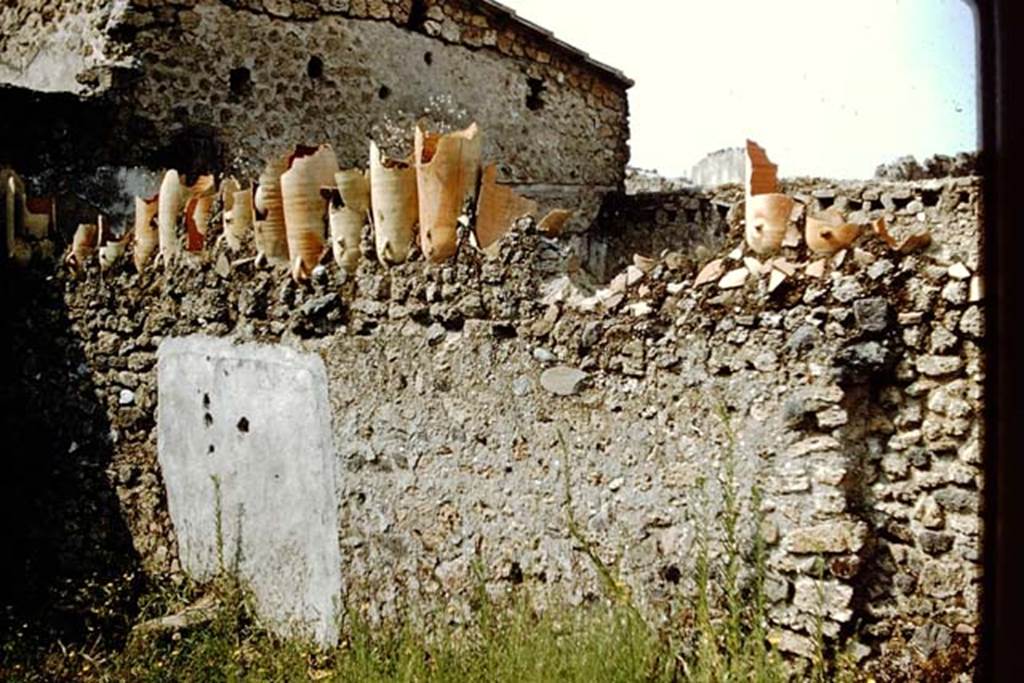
<point>829,87</point>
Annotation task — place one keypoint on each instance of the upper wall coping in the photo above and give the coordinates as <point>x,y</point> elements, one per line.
<point>512,15</point>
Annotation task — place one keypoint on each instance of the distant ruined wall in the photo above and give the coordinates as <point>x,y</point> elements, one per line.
<point>651,223</point>
<point>211,85</point>
<point>720,168</point>
<point>855,401</point>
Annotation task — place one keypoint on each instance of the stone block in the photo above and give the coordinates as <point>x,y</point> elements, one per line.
<point>831,537</point>
<point>829,599</point>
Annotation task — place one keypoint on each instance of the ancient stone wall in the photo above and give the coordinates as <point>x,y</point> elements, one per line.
<point>651,223</point>
<point>216,85</point>
<point>57,46</point>
<point>854,403</point>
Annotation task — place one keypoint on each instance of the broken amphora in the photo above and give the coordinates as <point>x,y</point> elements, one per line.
<point>349,204</point>
<point>305,209</point>
<point>447,175</point>
<point>497,209</point>
<point>395,206</point>
<point>147,234</point>
<point>766,221</point>
<point>269,225</point>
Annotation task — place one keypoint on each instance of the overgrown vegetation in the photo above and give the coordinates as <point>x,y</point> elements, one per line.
<point>717,632</point>
<point>728,638</point>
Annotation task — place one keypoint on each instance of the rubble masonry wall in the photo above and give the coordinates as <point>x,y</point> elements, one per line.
<point>855,401</point>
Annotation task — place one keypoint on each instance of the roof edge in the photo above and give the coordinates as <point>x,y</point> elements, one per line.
<point>547,35</point>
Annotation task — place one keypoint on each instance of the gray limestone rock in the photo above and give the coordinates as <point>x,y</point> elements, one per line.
<point>859,362</point>
<point>931,638</point>
<point>934,542</point>
<point>872,314</point>
<point>563,380</point>
<point>803,339</point>
<point>937,366</point>
<point>436,334</point>
<point>320,306</point>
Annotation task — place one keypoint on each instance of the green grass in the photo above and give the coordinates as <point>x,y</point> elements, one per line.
<point>717,631</point>
<point>506,642</point>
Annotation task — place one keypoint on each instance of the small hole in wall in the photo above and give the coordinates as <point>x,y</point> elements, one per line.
<point>930,197</point>
<point>210,450</point>
<point>825,202</point>
<point>515,573</point>
<point>504,331</point>
<point>428,58</point>
<point>243,425</point>
<point>206,401</point>
<point>901,202</point>
<point>418,15</point>
<point>535,94</point>
<point>384,92</point>
<point>315,67</point>
<point>240,80</point>
<point>208,420</point>
<point>671,574</point>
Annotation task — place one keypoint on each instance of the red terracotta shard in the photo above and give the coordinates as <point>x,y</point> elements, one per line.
<point>919,240</point>
<point>554,222</point>
<point>709,273</point>
<point>882,231</point>
<point>762,176</point>
<point>497,209</point>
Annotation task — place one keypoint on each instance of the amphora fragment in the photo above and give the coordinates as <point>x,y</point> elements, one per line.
<point>146,230</point>
<point>238,213</point>
<point>766,221</point>
<point>447,175</point>
<point>497,209</point>
<point>394,206</point>
<point>305,209</point>
<point>171,201</point>
<point>269,225</point>
<point>83,245</point>
<point>198,208</point>
<point>349,206</point>
<point>829,232</point>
